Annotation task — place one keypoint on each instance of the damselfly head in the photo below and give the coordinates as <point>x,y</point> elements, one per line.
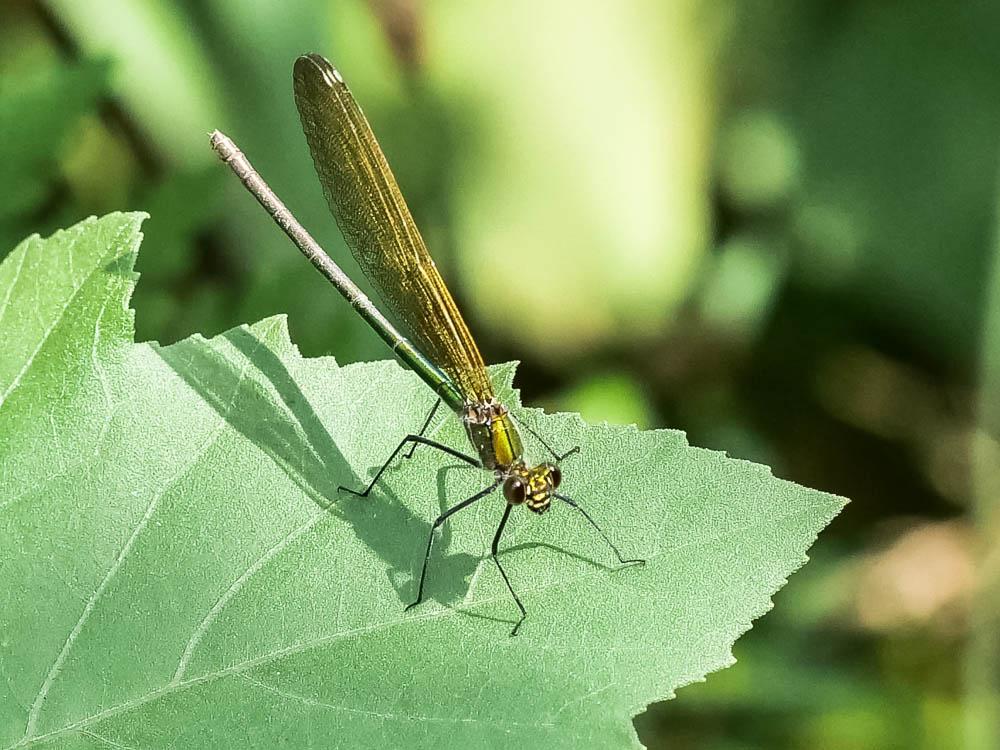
<point>532,486</point>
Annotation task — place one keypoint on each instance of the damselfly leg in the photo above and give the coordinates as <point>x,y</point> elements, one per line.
<point>434,527</point>
<point>575,505</point>
<point>415,439</point>
<point>559,457</point>
<point>427,423</point>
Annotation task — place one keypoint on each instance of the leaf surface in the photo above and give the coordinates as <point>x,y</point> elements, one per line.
<point>179,570</point>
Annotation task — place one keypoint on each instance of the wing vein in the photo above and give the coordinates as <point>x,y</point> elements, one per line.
<point>372,214</point>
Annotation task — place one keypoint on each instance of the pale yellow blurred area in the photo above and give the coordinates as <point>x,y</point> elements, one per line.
<point>925,576</point>
<point>582,208</point>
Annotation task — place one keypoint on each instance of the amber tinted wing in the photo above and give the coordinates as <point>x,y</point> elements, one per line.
<point>377,225</point>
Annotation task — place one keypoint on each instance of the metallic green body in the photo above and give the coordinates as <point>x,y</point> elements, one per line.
<point>492,433</point>
<point>430,373</point>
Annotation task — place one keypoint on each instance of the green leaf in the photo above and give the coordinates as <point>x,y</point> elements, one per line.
<point>179,570</point>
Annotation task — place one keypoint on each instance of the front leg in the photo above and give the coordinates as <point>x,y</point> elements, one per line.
<point>574,504</point>
<point>559,457</point>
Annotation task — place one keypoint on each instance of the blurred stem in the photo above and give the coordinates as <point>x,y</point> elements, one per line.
<point>983,656</point>
<point>161,72</point>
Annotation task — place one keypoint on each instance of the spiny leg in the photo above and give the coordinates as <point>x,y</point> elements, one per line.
<point>410,439</point>
<point>573,504</point>
<point>427,423</point>
<point>558,457</point>
<point>430,537</point>
<point>496,544</point>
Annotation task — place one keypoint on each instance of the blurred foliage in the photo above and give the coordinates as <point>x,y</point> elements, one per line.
<point>770,224</point>
<point>33,141</point>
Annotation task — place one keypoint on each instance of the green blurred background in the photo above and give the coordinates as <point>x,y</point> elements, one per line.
<point>770,224</point>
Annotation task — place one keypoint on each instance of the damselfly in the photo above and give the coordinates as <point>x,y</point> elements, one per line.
<point>373,216</point>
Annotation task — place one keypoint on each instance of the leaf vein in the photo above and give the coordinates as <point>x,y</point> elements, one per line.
<point>102,376</point>
<point>62,313</point>
<point>91,605</point>
<point>13,285</point>
<point>106,740</point>
<point>220,604</point>
<point>306,700</point>
<point>239,667</point>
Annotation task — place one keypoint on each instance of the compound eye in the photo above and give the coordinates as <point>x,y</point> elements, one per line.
<point>515,491</point>
<point>555,474</point>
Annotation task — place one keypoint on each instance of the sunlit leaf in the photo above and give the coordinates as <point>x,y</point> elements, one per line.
<point>179,570</point>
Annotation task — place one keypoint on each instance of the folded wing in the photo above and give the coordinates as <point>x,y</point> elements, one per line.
<point>372,215</point>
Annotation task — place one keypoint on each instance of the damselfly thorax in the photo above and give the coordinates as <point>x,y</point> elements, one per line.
<point>498,444</point>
